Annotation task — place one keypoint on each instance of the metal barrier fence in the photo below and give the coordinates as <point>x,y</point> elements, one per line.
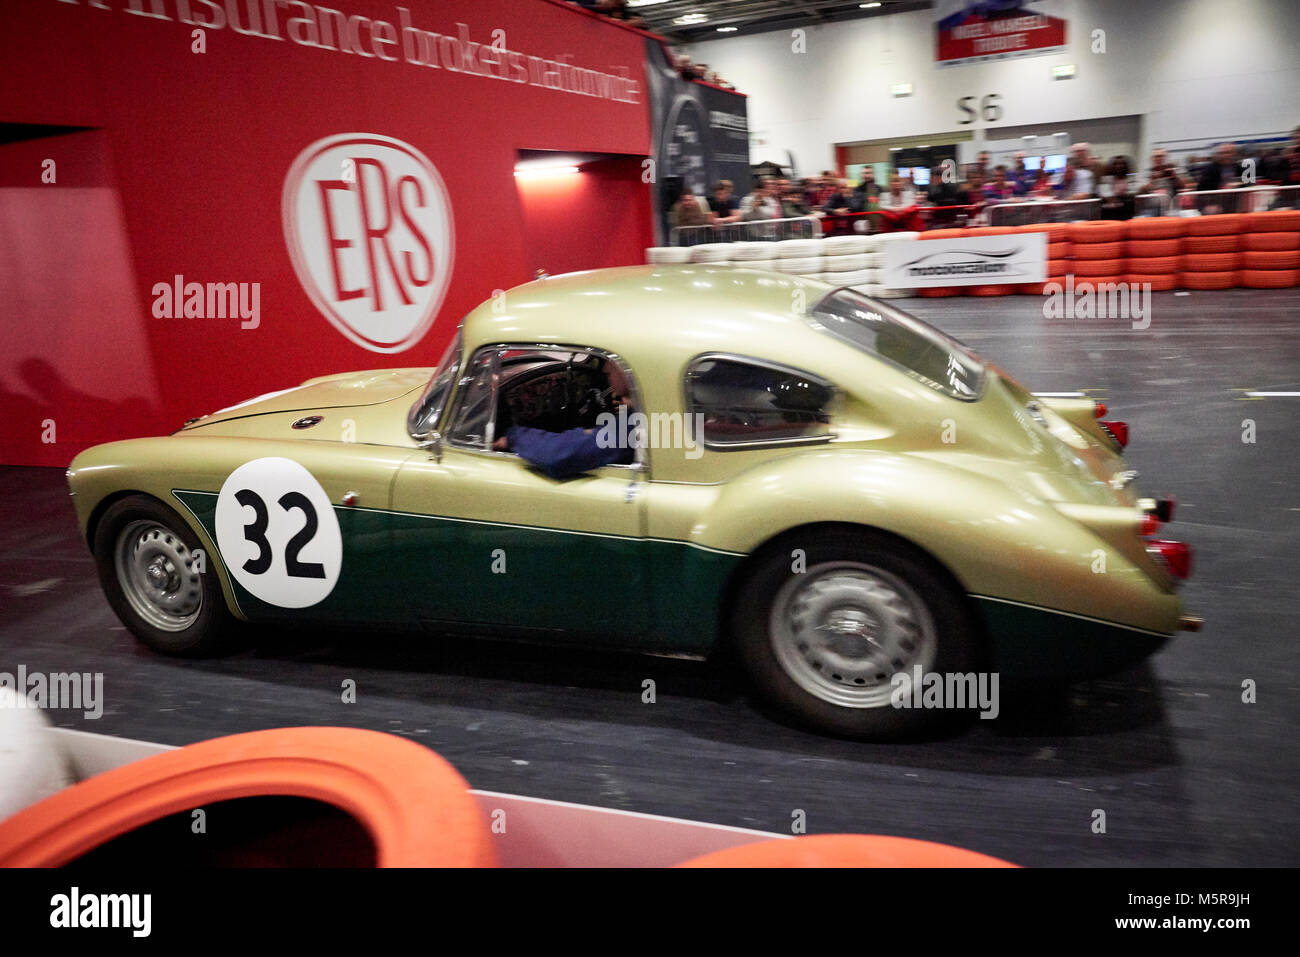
<point>1247,199</point>
<point>759,230</point>
<point>1057,211</point>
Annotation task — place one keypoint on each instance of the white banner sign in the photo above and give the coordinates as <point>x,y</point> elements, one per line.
<point>974,261</point>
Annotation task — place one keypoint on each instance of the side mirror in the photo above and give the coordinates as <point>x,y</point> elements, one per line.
<point>430,441</point>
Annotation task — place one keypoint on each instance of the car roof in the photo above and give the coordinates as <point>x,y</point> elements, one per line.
<point>664,313</point>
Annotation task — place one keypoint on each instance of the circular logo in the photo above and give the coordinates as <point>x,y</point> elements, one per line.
<point>368,223</point>
<point>278,533</point>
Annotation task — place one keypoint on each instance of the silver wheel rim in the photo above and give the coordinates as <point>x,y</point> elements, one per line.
<point>156,571</point>
<point>842,630</point>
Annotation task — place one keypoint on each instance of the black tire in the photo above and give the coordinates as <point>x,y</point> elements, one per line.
<point>157,531</point>
<point>805,683</point>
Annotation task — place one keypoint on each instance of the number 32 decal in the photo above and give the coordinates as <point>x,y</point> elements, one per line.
<point>278,533</point>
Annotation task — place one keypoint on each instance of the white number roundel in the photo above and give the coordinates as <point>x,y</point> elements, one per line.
<point>278,533</point>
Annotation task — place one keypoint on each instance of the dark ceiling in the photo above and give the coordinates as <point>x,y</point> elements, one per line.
<point>756,16</point>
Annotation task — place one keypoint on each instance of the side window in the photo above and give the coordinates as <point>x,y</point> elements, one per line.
<point>746,402</point>
<point>473,419</point>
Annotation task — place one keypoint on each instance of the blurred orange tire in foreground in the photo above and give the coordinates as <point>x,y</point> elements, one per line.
<point>1271,221</point>
<point>1217,225</point>
<point>1264,242</point>
<point>1099,231</point>
<point>1153,247</point>
<point>1211,262</point>
<point>846,850</point>
<point>1160,282</point>
<point>938,292</point>
<point>1156,264</point>
<point>414,805</point>
<point>1212,244</point>
<point>1098,250</point>
<point>1209,280</point>
<point>1270,278</point>
<point>1157,227</point>
<point>1271,259</point>
<point>1099,267</point>
<point>990,290</point>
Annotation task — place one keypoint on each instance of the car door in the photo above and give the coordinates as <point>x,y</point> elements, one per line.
<point>501,544</point>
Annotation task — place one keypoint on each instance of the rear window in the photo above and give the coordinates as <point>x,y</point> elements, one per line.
<point>746,403</point>
<point>919,349</point>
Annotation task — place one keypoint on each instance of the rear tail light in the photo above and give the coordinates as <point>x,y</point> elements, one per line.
<point>1098,409</point>
<point>1176,557</point>
<point>1117,431</point>
<point>1150,524</point>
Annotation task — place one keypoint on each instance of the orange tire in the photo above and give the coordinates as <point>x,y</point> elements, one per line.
<point>1216,225</point>
<point>1032,288</point>
<point>414,805</point>
<point>1271,259</point>
<point>1229,243</point>
<point>846,850</point>
<point>990,290</point>
<point>1098,251</point>
<point>1058,267</point>
<point>1056,232</point>
<point>1145,248</point>
<point>1098,231</point>
<point>944,234</point>
<point>1272,221</point>
<point>1155,264</point>
<point>1093,281</point>
<point>939,292</point>
<point>1211,262</point>
<point>1269,242</point>
<point>1270,278</point>
<point>1157,227</point>
<point>1159,282</point>
<point>1099,267</point>
<point>991,230</point>
<point>1227,279</point>
<point>1059,250</point>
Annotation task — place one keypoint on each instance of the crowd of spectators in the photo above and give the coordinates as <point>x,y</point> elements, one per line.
<point>964,194</point>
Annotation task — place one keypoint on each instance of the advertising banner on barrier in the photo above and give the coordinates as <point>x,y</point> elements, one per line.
<point>971,31</point>
<point>974,261</point>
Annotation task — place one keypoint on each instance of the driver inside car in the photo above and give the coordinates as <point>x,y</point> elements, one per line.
<point>573,451</point>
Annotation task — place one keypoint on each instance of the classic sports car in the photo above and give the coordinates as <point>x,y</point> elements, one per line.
<point>838,492</point>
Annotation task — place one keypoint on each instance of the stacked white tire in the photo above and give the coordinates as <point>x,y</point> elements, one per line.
<point>712,253</point>
<point>668,255</point>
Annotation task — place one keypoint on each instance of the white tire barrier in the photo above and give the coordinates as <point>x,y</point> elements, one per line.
<point>711,253</point>
<point>845,245</point>
<point>810,265</point>
<point>667,255</point>
<point>798,248</point>
<point>753,252</point>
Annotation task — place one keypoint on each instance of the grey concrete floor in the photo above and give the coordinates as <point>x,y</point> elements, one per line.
<point>1186,772</point>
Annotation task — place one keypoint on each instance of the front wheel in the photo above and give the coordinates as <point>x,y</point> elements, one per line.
<point>151,571</point>
<point>832,628</point>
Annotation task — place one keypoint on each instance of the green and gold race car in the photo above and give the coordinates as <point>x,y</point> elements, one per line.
<point>839,493</point>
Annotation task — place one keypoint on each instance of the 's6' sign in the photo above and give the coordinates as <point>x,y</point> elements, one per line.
<point>278,534</point>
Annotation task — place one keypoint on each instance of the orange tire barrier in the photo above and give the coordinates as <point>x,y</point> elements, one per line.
<point>1157,227</point>
<point>1269,242</point>
<point>1219,225</point>
<point>1271,259</point>
<point>1098,251</point>
<point>1098,231</point>
<point>414,805</point>
<point>1159,282</point>
<point>1056,232</point>
<point>1228,279</point>
<point>944,234</point>
<point>1099,267</point>
<point>938,292</point>
<point>990,290</point>
<point>1150,248</point>
<point>1211,262</point>
<point>1059,250</point>
<point>1033,288</point>
<point>1057,267</point>
<point>1212,244</point>
<point>1155,264</point>
<point>1271,221</point>
<point>846,850</point>
<point>1270,278</point>
<point>1093,281</point>
<point>991,230</point>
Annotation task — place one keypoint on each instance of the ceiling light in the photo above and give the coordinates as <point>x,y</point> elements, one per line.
<point>644,3</point>
<point>868,6</point>
<point>727,29</point>
<point>531,172</point>
<point>691,18</point>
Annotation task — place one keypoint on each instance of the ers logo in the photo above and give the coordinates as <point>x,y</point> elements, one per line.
<point>368,223</point>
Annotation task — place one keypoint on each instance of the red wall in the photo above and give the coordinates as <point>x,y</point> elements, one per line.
<point>588,219</point>
<point>185,170</point>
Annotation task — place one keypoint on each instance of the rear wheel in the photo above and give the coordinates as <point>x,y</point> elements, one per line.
<point>833,636</point>
<point>155,580</point>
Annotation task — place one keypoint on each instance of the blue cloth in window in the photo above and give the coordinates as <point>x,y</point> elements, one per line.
<point>562,454</point>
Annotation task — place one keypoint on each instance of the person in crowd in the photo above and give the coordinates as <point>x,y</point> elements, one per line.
<point>1224,172</point>
<point>687,211</point>
<point>899,196</point>
<point>1119,203</point>
<point>762,203</point>
<point>1163,176</point>
<point>981,166</point>
<point>723,205</point>
<point>1020,176</point>
<point>1078,180</point>
<point>839,200</point>
<point>867,192</point>
<point>792,200</point>
<point>942,193</point>
<point>999,188</point>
